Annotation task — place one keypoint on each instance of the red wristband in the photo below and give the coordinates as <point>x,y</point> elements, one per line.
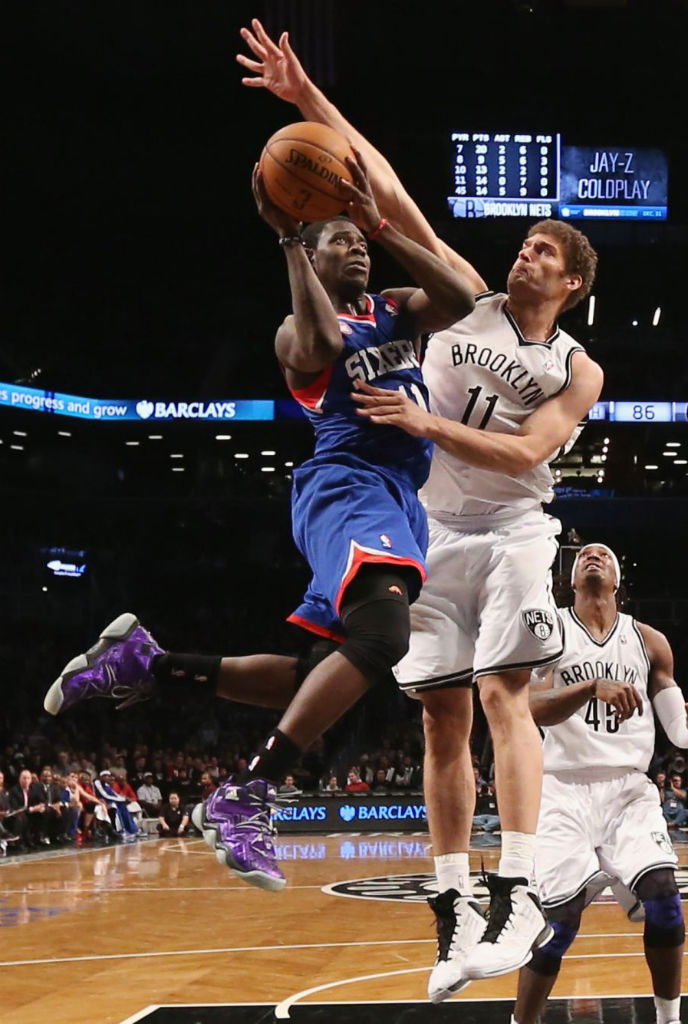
<point>379,229</point>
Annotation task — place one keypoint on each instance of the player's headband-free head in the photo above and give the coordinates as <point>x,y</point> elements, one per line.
<point>615,562</point>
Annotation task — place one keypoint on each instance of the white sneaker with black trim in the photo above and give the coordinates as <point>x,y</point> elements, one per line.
<point>460,925</point>
<point>516,923</point>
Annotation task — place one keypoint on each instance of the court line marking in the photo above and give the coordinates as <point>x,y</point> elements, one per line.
<point>366,1002</point>
<point>141,1015</point>
<point>225,949</point>
<point>272,949</point>
<point>282,1009</point>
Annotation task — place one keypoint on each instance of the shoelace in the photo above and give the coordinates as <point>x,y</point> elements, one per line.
<point>109,687</point>
<point>135,696</point>
<point>261,824</point>
<point>501,908</point>
<point>446,926</point>
<point>448,923</point>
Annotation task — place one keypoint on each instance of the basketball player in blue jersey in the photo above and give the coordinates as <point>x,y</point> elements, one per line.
<point>356,515</point>
<point>508,389</point>
<point>600,816</point>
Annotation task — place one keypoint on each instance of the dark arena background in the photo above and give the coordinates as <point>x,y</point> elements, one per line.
<point>147,444</point>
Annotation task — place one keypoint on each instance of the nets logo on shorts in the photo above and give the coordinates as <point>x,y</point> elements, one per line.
<point>540,622</point>
<point>663,842</point>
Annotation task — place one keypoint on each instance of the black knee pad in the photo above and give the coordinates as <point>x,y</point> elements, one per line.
<point>664,927</point>
<point>565,920</point>
<point>375,612</point>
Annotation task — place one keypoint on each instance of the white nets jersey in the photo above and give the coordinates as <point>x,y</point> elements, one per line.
<point>484,373</point>
<point>592,737</point>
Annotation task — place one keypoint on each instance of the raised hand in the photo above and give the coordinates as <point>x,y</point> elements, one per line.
<point>362,207</point>
<point>280,221</point>
<point>277,68</point>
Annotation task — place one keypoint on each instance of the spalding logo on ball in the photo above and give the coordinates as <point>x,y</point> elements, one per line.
<point>303,167</point>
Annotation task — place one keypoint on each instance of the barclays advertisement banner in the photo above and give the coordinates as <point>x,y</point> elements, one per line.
<point>137,409</point>
<point>351,814</point>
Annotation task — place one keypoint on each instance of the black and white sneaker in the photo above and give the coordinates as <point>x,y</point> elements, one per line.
<point>460,925</point>
<point>516,923</point>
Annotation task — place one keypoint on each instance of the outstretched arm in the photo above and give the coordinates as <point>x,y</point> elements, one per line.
<point>540,436</point>
<point>278,69</point>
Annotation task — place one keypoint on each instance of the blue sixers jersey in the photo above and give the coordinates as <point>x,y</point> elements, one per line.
<point>378,349</point>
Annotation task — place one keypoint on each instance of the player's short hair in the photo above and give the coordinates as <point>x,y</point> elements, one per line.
<point>581,258</point>
<point>310,235</point>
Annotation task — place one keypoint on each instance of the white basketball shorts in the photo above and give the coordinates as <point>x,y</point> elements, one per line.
<point>592,821</point>
<point>486,605</point>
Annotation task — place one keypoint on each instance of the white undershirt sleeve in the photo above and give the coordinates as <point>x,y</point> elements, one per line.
<point>671,711</point>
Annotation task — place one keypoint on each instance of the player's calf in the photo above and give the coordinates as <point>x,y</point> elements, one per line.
<point>538,977</point>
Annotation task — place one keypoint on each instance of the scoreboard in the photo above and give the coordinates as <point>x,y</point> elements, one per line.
<point>502,175</point>
<point>505,174</point>
<point>640,412</point>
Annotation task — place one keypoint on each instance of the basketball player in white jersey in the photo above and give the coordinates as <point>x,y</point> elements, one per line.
<point>599,811</point>
<point>508,389</point>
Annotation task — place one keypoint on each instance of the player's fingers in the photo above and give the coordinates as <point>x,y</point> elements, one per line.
<point>620,707</point>
<point>357,171</point>
<point>264,38</point>
<point>252,65</point>
<point>347,187</point>
<point>359,159</point>
<point>254,83</point>
<point>253,43</point>
<point>285,47</point>
<point>376,400</point>
<point>362,385</point>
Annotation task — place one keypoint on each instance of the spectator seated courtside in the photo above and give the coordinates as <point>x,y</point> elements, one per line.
<point>173,820</point>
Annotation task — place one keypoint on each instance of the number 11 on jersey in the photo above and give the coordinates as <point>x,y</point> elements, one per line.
<point>490,403</point>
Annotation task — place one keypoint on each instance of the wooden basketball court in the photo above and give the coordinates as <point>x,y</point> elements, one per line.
<point>158,931</point>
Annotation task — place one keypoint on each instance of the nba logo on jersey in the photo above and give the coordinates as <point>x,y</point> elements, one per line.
<point>539,621</point>
<point>386,542</point>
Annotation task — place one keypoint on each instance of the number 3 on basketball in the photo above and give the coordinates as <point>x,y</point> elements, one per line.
<point>304,194</point>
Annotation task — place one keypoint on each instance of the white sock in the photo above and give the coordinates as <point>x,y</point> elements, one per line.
<point>453,872</point>
<point>668,1010</point>
<point>518,855</point>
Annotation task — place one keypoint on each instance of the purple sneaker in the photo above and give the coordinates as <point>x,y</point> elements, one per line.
<point>236,822</point>
<point>118,666</point>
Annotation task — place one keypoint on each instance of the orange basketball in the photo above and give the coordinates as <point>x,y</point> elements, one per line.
<point>303,166</point>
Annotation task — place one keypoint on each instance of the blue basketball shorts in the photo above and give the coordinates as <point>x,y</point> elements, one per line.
<point>347,513</point>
